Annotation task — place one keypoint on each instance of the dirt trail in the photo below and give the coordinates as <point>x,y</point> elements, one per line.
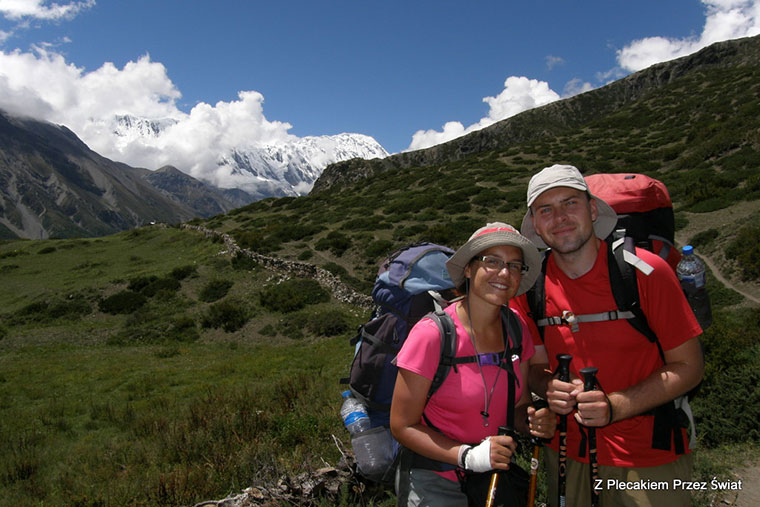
<point>728,283</point>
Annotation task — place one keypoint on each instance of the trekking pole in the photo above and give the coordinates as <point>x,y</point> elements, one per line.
<point>494,484</point>
<point>589,384</point>
<point>537,442</point>
<point>563,369</point>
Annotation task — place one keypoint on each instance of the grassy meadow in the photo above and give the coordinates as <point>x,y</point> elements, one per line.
<point>157,406</point>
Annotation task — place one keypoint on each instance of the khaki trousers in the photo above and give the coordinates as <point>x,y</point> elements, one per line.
<point>664,485</point>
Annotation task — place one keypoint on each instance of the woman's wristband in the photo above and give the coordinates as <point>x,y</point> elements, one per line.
<point>462,457</point>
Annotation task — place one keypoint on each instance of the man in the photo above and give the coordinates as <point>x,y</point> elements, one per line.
<point>566,217</point>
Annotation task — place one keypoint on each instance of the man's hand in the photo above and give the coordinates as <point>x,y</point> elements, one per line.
<point>593,409</point>
<point>562,395</point>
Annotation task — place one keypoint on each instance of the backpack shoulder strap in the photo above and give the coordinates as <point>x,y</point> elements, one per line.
<point>514,330</point>
<point>622,267</point>
<point>536,295</point>
<point>448,348</point>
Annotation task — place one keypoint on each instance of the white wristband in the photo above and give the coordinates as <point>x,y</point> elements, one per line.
<point>479,457</point>
<point>463,450</point>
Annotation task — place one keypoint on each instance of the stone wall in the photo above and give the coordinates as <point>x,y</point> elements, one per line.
<point>329,281</point>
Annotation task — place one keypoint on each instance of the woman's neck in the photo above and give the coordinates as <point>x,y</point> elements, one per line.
<point>483,322</point>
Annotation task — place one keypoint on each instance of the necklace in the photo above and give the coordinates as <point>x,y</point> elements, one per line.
<point>487,396</point>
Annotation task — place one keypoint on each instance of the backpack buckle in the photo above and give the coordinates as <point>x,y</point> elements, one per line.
<point>569,318</point>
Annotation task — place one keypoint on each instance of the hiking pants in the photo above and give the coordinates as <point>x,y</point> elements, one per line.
<point>617,483</point>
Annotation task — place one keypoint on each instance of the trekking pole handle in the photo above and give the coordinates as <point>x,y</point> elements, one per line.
<point>538,405</point>
<point>494,484</point>
<point>589,378</point>
<point>563,369</point>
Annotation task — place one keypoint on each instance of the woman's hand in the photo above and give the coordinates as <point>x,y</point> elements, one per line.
<point>542,423</point>
<point>492,453</point>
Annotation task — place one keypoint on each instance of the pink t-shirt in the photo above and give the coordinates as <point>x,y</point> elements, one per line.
<point>455,407</point>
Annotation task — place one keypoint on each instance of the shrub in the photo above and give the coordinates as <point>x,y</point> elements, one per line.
<point>184,272</point>
<point>377,249</point>
<point>336,242</point>
<point>167,284</point>
<point>215,290</point>
<point>335,269</point>
<point>47,250</point>
<point>292,295</point>
<point>328,322</point>
<point>305,255</point>
<point>704,238</point>
<point>183,329</point>
<point>243,262</point>
<point>745,249</point>
<point>228,315</point>
<point>123,302</point>
<point>45,311</point>
<point>138,283</point>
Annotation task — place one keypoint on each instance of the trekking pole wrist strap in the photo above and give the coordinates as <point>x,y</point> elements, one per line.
<point>609,406</point>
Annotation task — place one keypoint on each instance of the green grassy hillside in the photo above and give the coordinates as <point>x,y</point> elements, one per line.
<point>153,367</point>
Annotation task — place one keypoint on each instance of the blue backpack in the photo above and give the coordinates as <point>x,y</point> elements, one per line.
<point>412,282</point>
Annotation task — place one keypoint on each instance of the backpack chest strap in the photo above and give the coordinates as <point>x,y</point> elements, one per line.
<point>572,320</point>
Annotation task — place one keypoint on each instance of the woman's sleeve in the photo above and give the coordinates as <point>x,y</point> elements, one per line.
<point>421,350</point>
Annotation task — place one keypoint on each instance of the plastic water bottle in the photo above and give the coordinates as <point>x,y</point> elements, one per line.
<point>354,414</point>
<point>373,447</point>
<point>692,275</point>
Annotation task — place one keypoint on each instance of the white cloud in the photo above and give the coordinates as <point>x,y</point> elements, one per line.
<point>576,86</point>
<point>725,19</point>
<point>519,94</point>
<point>553,61</point>
<point>41,9</point>
<point>43,85</point>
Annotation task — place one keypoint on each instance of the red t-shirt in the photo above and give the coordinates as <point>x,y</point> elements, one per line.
<point>624,356</point>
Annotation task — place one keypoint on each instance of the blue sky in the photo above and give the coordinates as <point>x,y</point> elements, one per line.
<point>409,74</point>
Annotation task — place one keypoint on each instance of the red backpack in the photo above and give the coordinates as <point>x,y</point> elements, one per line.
<point>644,210</point>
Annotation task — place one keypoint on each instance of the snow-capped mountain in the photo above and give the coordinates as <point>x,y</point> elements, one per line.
<point>283,168</point>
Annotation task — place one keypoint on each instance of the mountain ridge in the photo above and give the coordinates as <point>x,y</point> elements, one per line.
<point>551,119</point>
<point>53,185</point>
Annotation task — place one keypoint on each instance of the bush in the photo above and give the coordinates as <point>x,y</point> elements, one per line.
<point>305,255</point>
<point>184,272</point>
<point>183,329</point>
<point>138,283</point>
<point>45,311</point>
<point>328,322</point>
<point>745,249</point>
<point>335,269</point>
<point>704,238</point>
<point>732,373</point>
<point>228,315</point>
<point>167,284</point>
<point>292,295</point>
<point>47,250</point>
<point>378,249</point>
<point>243,262</point>
<point>215,290</point>
<point>123,302</point>
<point>336,242</point>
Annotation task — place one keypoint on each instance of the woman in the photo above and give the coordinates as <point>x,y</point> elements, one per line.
<point>458,425</point>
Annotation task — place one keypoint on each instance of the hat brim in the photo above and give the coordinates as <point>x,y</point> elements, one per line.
<point>462,257</point>
<point>605,223</point>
